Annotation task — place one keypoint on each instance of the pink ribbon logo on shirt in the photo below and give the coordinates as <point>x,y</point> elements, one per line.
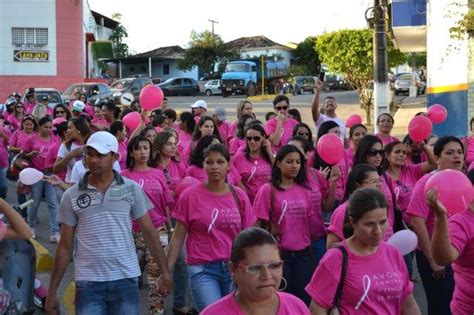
<point>214,215</point>
<point>284,207</point>
<point>252,172</point>
<point>141,182</point>
<point>397,193</point>
<point>366,282</point>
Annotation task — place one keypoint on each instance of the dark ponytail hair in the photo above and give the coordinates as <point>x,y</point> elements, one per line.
<point>361,202</point>
<point>300,179</point>
<point>356,176</point>
<point>197,155</point>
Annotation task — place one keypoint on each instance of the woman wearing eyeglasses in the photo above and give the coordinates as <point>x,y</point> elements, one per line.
<point>238,142</point>
<point>257,269</point>
<point>285,206</point>
<point>254,163</point>
<point>17,116</point>
<point>61,110</point>
<point>209,216</point>
<point>385,123</point>
<point>370,151</point>
<point>154,185</point>
<point>376,279</point>
<point>280,129</point>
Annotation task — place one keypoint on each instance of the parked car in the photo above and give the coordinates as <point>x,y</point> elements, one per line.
<point>179,86</point>
<point>303,84</point>
<point>212,87</point>
<point>335,82</point>
<point>53,95</point>
<point>157,80</point>
<point>404,81</point>
<point>132,85</point>
<point>93,91</point>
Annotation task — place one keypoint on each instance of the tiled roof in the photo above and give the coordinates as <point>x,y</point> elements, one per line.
<point>252,42</point>
<point>169,51</point>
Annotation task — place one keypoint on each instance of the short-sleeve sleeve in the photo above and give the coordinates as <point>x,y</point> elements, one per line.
<point>235,175</point>
<point>66,213</point>
<point>181,209</point>
<point>458,234</point>
<point>417,205</point>
<point>248,218</point>
<point>14,139</point>
<point>63,151</point>
<point>261,203</point>
<point>28,145</point>
<point>141,204</point>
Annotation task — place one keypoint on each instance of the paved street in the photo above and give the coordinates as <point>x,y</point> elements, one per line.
<point>348,104</point>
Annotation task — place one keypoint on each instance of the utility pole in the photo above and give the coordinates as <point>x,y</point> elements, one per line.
<point>381,86</point>
<point>213,22</point>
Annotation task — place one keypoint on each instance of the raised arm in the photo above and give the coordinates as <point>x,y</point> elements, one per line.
<point>315,103</point>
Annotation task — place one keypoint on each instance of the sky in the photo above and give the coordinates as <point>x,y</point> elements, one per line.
<point>156,23</point>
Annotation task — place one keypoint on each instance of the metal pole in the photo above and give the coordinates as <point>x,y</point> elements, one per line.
<point>263,74</point>
<point>213,22</point>
<point>381,87</point>
<point>149,67</point>
<point>120,69</point>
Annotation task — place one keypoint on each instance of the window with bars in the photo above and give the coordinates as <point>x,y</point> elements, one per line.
<point>29,36</point>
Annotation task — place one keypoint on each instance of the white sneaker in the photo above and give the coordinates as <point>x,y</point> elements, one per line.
<point>54,237</point>
<point>34,233</point>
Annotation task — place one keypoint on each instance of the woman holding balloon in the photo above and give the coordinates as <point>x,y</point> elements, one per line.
<point>437,280</point>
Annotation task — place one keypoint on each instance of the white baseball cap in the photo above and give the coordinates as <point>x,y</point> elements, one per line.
<point>103,142</point>
<point>199,103</point>
<point>78,106</point>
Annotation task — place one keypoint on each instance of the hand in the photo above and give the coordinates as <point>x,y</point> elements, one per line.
<point>50,306</point>
<point>434,203</point>
<point>53,180</point>
<point>76,152</point>
<point>165,285</point>
<point>335,174</point>
<point>281,117</point>
<point>319,85</point>
<point>144,115</point>
<point>325,171</point>
<point>438,271</point>
<point>34,153</point>
<point>267,146</point>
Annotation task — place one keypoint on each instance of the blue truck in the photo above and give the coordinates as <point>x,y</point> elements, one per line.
<point>245,77</point>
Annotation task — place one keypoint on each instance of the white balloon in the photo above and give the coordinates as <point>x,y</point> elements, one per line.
<point>405,241</point>
<point>30,176</point>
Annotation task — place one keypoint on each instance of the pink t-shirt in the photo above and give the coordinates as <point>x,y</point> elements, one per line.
<point>19,137</point>
<point>34,143</point>
<point>4,147</point>
<point>289,305</point>
<point>461,234</point>
<point>15,122</point>
<point>336,223</point>
<point>224,131</point>
<point>386,139</point>
<point>122,150</point>
<point>287,131</point>
<point>154,185</point>
<point>51,159</point>
<point>350,156</point>
<point>418,206</point>
<point>28,107</point>
<point>469,142</point>
<point>236,144</point>
<point>254,173</point>
<point>374,284</point>
<point>403,188</point>
<point>233,177</point>
<point>232,131</point>
<point>212,222</point>
<point>390,202</point>
<point>292,214</point>
<point>319,187</point>
<point>174,173</point>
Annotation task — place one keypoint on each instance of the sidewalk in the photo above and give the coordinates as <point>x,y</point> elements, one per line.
<point>407,110</point>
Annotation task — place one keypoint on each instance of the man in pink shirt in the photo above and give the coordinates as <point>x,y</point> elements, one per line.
<point>199,109</point>
<point>280,129</point>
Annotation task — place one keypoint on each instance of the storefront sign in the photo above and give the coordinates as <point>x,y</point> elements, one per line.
<point>30,56</point>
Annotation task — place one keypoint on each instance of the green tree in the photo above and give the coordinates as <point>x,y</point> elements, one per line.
<point>206,49</point>
<point>306,57</point>
<point>350,53</point>
<point>118,35</point>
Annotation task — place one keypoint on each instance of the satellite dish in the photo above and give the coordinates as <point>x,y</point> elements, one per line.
<point>127,99</point>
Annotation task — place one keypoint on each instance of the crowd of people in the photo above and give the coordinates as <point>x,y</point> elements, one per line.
<point>246,214</point>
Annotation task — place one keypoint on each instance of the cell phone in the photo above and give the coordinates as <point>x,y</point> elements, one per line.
<point>321,75</point>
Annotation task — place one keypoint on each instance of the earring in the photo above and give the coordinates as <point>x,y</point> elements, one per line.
<point>284,287</point>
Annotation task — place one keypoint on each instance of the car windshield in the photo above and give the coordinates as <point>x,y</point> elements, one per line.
<point>53,96</point>
<point>76,88</point>
<point>405,77</point>
<point>237,67</point>
<point>121,84</point>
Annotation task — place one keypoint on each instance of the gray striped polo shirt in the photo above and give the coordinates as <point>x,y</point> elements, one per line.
<point>103,222</point>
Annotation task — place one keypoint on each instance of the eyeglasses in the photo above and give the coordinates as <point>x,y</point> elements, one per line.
<point>303,134</point>
<point>19,106</point>
<point>375,152</point>
<point>60,112</point>
<point>256,138</point>
<point>279,108</point>
<point>258,269</point>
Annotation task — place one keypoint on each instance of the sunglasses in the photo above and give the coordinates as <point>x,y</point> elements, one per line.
<point>279,108</point>
<point>60,112</point>
<point>375,152</point>
<point>256,138</point>
<point>303,134</point>
<point>19,106</point>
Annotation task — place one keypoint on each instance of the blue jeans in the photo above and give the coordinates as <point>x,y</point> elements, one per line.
<point>3,182</point>
<point>209,283</point>
<point>108,297</point>
<point>319,249</point>
<point>52,200</point>
<point>297,272</point>
<point>181,280</point>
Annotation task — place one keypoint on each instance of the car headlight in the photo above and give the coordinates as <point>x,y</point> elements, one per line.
<point>117,94</point>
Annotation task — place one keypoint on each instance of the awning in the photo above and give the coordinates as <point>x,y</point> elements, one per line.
<point>102,50</point>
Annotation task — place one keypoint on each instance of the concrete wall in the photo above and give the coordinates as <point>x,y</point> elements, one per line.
<point>157,70</point>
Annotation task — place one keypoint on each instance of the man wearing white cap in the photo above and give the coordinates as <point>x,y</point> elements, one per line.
<point>77,108</point>
<point>199,109</point>
<point>98,212</point>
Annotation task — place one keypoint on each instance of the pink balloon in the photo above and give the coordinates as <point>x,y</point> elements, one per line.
<point>353,120</point>
<point>132,120</point>
<point>330,148</point>
<point>57,121</point>
<point>419,128</point>
<point>186,182</point>
<point>151,97</point>
<point>437,113</point>
<point>405,241</point>
<point>454,190</point>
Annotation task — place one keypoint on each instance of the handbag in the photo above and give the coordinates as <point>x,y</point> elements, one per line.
<point>18,163</point>
<point>398,224</point>
<point>337,298</point>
